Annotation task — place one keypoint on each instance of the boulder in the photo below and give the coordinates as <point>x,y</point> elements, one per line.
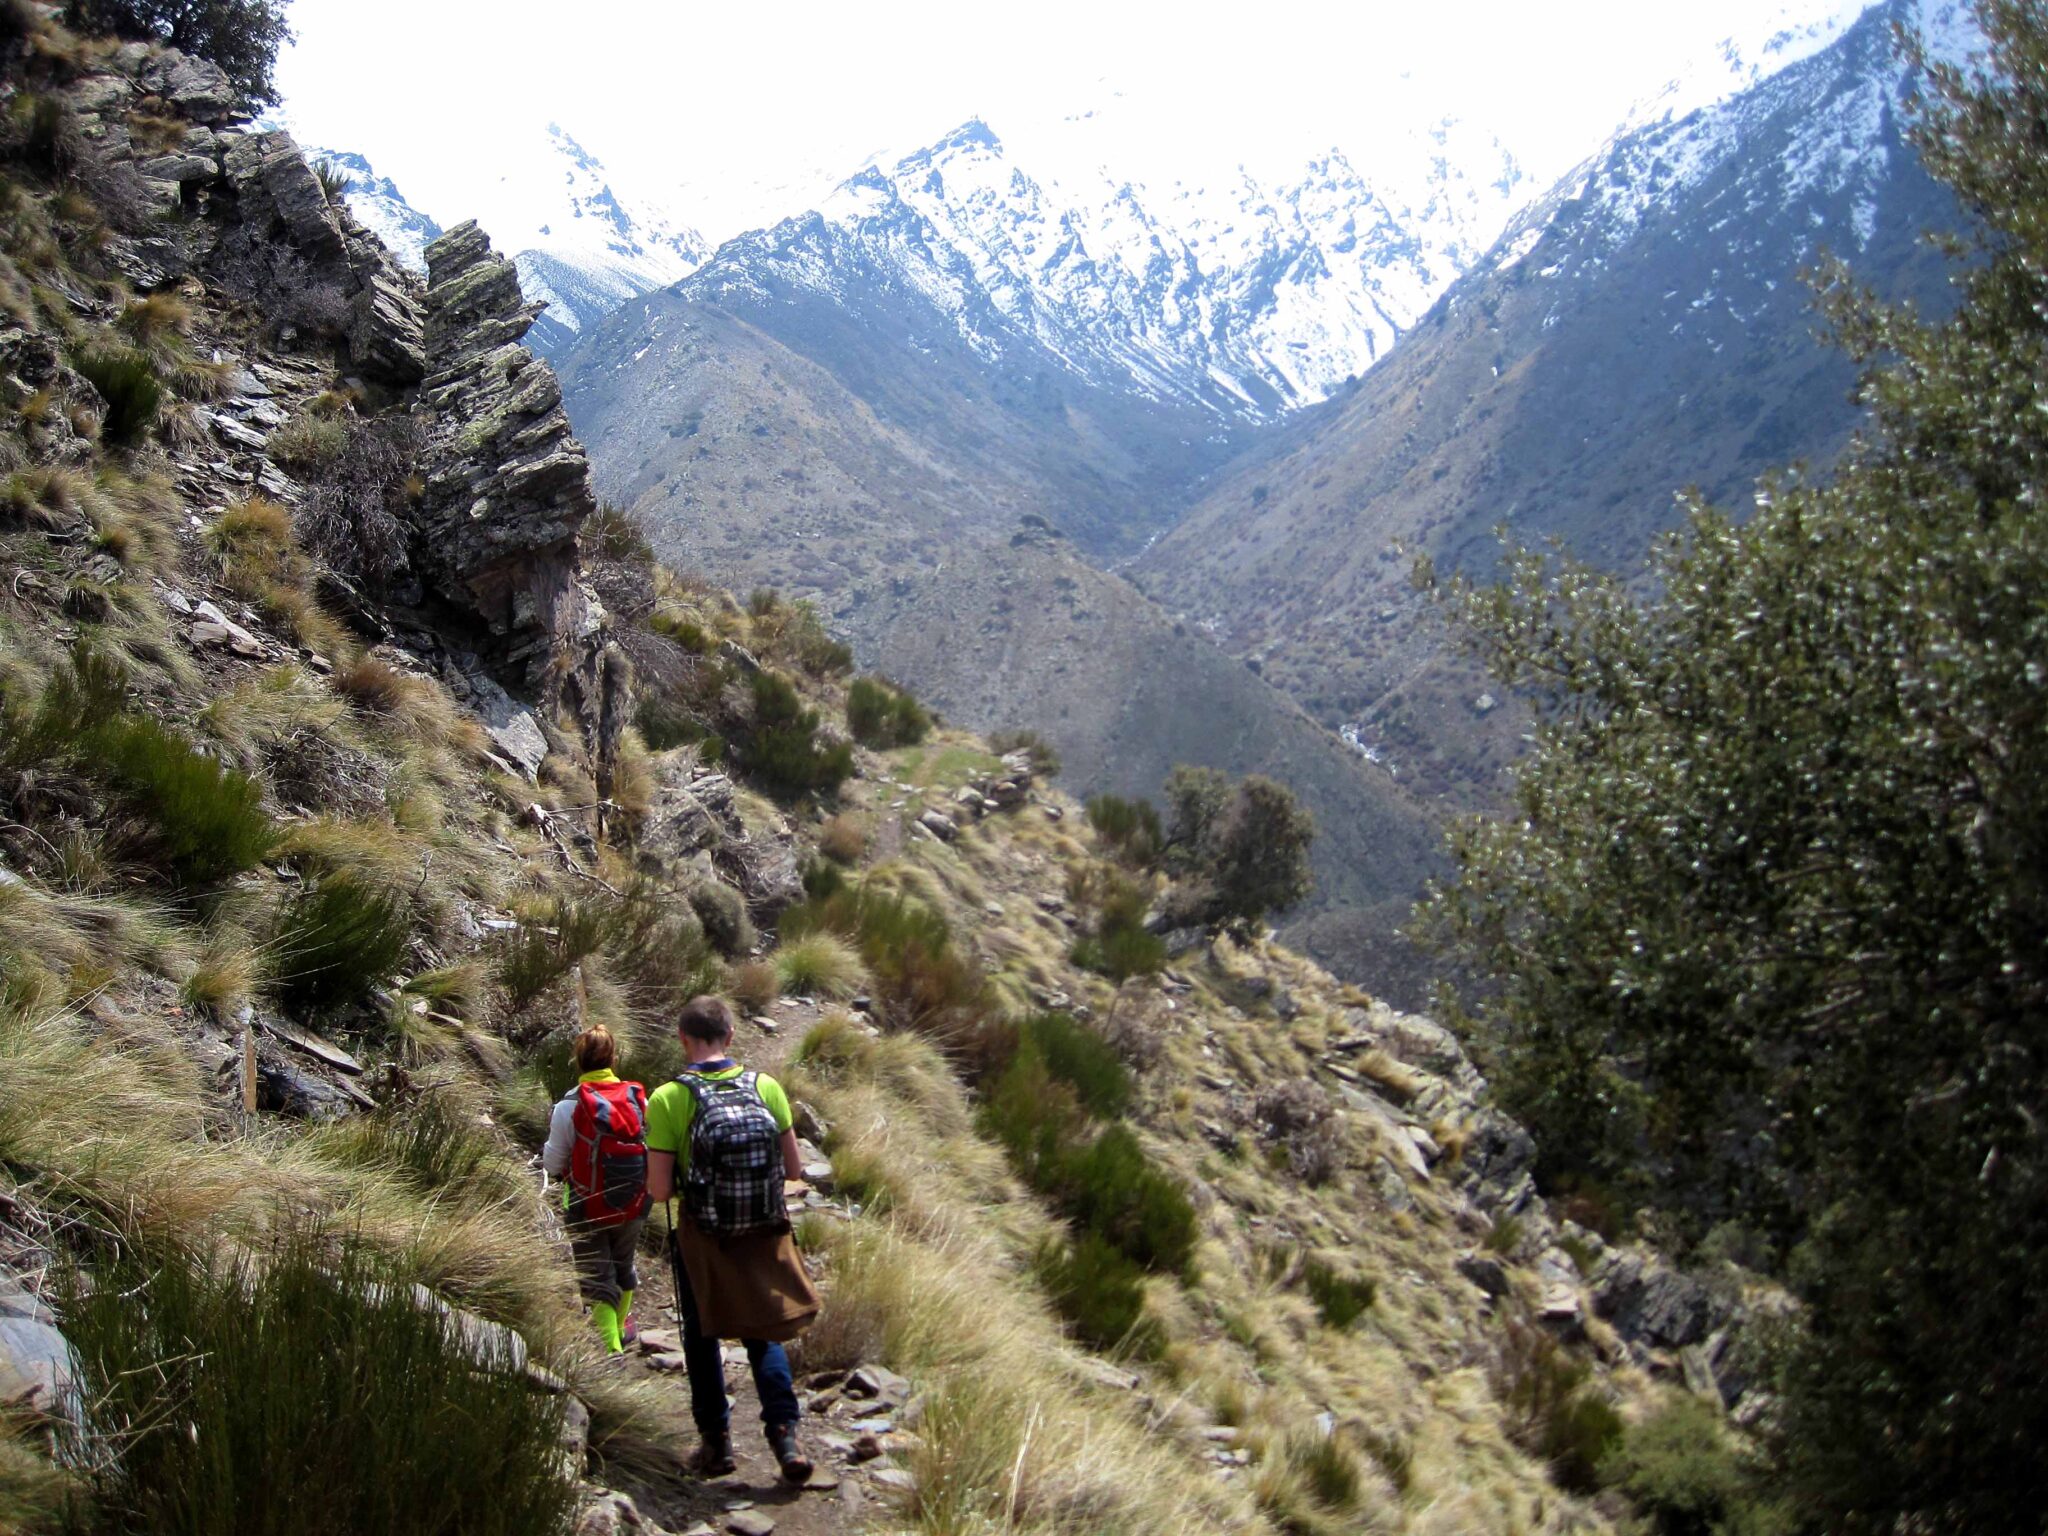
<point>1650,1303</point>
<point>195,88</point>
<point>37,1368</point>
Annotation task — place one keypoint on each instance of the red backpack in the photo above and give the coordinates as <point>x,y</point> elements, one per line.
<point>608,1167</point>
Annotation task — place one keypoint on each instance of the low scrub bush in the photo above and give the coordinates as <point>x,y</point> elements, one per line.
<point>1341,1299</point>
<point>1553,1408</point>
<point>308,444</point>
<point>547,946</point>
<point>1101,1294</point>
<point>881,715</point>
<point>792,634</point>
<point>204,822</point>
<point>1077,1056</point>
<point>1682,1470</point>
<point>782,748</point>
<point>652,950</point>
<point>722,912</point>
<point>1121,946</point>
<point>211,1387</point>
<point>1299,1122</point>
<point>337,939</point>
<point>921,981</point>
<point>1101,1180</point>
<point>820,965</point>
<point>127,380</point>
<point>1130,827</point>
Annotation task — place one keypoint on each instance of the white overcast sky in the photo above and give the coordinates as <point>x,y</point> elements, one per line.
<point>734,113</point>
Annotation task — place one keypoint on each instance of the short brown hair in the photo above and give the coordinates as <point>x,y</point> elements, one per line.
<point>706,1018</point>
<point>595,1049</point>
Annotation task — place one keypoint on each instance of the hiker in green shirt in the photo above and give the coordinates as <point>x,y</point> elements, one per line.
<point>739,1124</point>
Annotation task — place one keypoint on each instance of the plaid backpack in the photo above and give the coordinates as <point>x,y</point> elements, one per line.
<point>733,1186</point>
<point>608,1164</point>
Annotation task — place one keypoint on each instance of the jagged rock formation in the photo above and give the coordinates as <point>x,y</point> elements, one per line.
<point>507,486</point>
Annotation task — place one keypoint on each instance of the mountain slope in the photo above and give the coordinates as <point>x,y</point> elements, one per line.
<point>1639,329</point>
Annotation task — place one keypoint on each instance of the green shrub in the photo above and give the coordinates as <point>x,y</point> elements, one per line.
<point>1082,1059</point>
<point>1121,946</point>
<point>205,821</point>
<point>1114,1189</point>
<point>1101,1293</point>
<point>782,748</point>
<point>338,938</point>
<point>1130,827</point>
<point>921,980</point>
<point>334,181</point>
<point>881,715</point>
<point>309,443</point>
<point>723,913</point>
<point>306,1391</point>
<point>1555,1411</point>
<point>126,379</point>
<point>1341,1299</point>
<point>435,1145</point>
<point>540,952</point>
<point>664,721</point>
<point>1680,1467</point>
<point>687,633</point>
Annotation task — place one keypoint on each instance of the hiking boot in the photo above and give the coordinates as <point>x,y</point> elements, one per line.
<point>713,1457</point>
<point>629,1331</point>
<point>789,1454</point>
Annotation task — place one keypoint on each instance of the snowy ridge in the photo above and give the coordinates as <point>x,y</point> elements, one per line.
<point>1252,297</point>
<point>581,249</point>
<point>1830,108</point>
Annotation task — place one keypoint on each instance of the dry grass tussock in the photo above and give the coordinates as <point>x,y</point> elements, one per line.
<point>1014,1436</point>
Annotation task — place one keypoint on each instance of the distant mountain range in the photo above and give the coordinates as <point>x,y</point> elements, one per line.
<point>1254,398</point>
<point>1641,328</point>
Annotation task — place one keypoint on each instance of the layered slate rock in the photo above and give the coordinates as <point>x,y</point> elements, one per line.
<point>507,484</point>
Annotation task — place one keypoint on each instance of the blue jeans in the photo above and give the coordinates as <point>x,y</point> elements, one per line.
<point>772,1382</point>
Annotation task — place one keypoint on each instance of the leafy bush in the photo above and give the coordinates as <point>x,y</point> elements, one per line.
<point>1239,851</point>
<point>881,715</point>
<point>337,939</point>
<point>1341,1299</point>
<point>1681,1468</point>
<point>1130,827</point>
<point>240,36</point>
<point>205,822</point>
<point>1101,1293</point>
<point>782,748</point>
<point>1554,1410</point>
<point>127,381</point>
<point>1775,862</point>
<point>215,1380</point>
<point>723,914</point>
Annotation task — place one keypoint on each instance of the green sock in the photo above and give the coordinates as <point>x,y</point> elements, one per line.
<point>606,1316</point>
<point>625,1305</point>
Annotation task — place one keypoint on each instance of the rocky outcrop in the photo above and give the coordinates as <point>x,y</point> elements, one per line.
<point>507,484</point>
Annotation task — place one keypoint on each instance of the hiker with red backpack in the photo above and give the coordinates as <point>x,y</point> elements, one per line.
<point>720,1137</point>
<point>597,1146</point>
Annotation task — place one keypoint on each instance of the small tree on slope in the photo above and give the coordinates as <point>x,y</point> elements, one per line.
<point>1767,937</point>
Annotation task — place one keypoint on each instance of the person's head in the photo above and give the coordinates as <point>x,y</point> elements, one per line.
<point>705,1024</point>
<point>596,1051</point>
